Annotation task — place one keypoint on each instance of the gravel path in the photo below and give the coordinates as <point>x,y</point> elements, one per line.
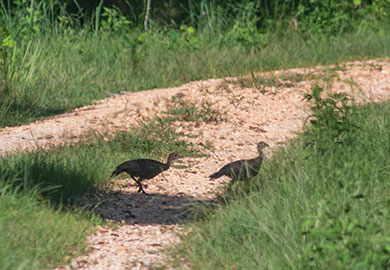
<point>273,113</point>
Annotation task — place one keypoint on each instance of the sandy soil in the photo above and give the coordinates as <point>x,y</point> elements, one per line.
<point>273,113</point>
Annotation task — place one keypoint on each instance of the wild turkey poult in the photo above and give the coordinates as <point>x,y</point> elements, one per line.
<point>242,169</point>
<point>144,169</point>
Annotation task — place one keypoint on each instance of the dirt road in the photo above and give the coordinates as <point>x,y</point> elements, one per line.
<point>269,109</point>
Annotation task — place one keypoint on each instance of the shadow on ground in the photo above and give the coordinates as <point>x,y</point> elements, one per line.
<point>134,208</point>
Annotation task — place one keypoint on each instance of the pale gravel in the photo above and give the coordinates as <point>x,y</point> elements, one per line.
<point>148,225</point>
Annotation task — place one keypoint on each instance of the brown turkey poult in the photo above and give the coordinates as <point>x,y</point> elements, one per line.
<point>242,169</point>
<point>144,169</point>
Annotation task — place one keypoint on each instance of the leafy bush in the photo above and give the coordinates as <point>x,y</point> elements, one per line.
<point>113,20</point>
<point>330,116</point>
<point>346,236</point>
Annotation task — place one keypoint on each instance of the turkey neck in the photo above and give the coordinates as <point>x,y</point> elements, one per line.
<point>261,155</point>
<point>169,161</point>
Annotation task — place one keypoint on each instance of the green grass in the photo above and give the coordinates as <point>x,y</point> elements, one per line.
<point>323,204</point>
<point>55,72</point>
<point>41,192</point>
<point>36,236</point>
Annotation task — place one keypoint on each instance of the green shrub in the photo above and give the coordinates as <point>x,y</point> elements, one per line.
<point>331,116</point>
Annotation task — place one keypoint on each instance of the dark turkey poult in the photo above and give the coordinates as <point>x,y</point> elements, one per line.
<point>144,169</point>
<point>242,169</point>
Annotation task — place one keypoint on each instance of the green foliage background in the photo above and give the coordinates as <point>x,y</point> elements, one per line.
<point>58,55</point>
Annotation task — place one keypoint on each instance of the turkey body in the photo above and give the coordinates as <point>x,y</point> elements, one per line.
<point>144,169</point>
<point>242,169</point>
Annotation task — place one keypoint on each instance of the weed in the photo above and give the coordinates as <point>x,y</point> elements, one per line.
<point>259,82</point>
<point>337,67</point>
<point>293,77</point>
<point>375,66</point>
<point>180,109</point>
<point>330,115</point>
<point>234,99</point>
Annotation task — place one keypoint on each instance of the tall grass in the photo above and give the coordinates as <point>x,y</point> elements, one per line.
<point>56,65</point>
<point>34,235</point>
<point>323,204</point>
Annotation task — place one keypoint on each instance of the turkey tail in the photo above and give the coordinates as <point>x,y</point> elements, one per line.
<point>115,172</point>
<point>215,175</point>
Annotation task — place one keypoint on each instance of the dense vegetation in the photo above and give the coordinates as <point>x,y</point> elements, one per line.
<point>323,202</point>
<point>56,57</point>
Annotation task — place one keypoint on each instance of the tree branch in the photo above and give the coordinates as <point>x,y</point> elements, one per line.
<point>147,15</point>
